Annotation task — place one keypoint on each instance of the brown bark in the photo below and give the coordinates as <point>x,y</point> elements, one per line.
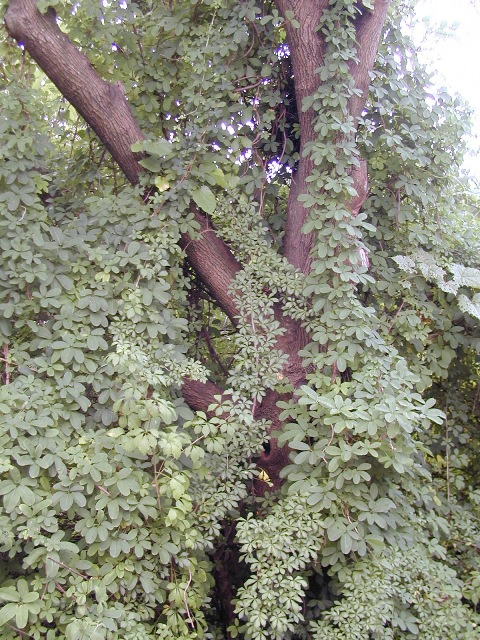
<point>104,107</point>
<point>200,395</point>
<point>101,104</point>
<point>307,51</point>
<point>274,458</point>
<point>211,258</point>
<point>369,26</point>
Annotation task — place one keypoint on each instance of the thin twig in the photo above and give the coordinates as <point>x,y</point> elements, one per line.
<point>155,475</point>
<point>65,566</point>
<point>447,456</point>
<point>192,623</point>
<point>396,316</point>
<point>5,360</point>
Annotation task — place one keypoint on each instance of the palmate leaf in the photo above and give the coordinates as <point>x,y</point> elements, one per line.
<point>118,497</point>
<point>466,276</point>
<point>425,264</point>
<point>470,306</point>
<point>205,199</point>
<point>9,594</point>
<point>7,612</point>
<point>158,147</point>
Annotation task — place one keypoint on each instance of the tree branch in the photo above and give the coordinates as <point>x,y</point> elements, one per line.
<point>307,53</point>
<point>369,27</point>
<point>200,395</point>
<point>212,259</point>
<point>104,107</point>
<point>101,104</point>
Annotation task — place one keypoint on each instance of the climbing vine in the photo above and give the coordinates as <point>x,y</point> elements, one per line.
<point>239,326</point>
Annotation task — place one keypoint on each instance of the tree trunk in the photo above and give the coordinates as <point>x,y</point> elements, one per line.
<point>105,108</point>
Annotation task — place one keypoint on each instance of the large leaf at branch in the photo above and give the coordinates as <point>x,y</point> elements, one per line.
<point>205,199</point>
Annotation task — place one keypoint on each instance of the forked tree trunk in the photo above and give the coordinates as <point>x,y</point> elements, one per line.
<point>104,107</point>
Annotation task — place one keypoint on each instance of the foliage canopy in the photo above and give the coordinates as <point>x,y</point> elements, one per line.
<point>240,387</point>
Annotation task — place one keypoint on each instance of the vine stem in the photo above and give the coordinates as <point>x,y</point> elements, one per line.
<point>447,456</point>
<point>190,620</point>
<point>396,316</point>
<point>5,360</point>
<point>65,566</point>
<point>156,473</point>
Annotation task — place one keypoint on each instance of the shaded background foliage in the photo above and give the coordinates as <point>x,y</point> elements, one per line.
<point>122,507</point>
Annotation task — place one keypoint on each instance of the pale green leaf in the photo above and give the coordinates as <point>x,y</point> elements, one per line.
<point>205,199</point>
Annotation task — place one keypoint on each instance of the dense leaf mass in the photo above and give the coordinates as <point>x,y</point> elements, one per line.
<point>240,385</point>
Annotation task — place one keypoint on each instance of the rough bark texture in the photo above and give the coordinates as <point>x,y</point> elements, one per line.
<point>199,395</point>
<point>209,249</point>
<point>102,104</point>
<point>307,50</point>
<point>368,28</point>
<point>104,107</point>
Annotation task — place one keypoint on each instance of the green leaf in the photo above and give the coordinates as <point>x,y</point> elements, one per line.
<point>219,178</point>
<point>153,164</point>
<point>245,142</point>
<point>383,505</point>
<point>9,594</point>
<point>158,147</point>
<point>65,281</point>
<point>21,616</point>
<point>346,543</point>
<point>311,393</point>
<point>7,612</point>
<point>205,199</point>
<point>335,530</point>
<point>162,184</point>
<point>300,446</point>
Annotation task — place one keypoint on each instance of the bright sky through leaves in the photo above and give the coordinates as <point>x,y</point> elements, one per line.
<point>455,57</point>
